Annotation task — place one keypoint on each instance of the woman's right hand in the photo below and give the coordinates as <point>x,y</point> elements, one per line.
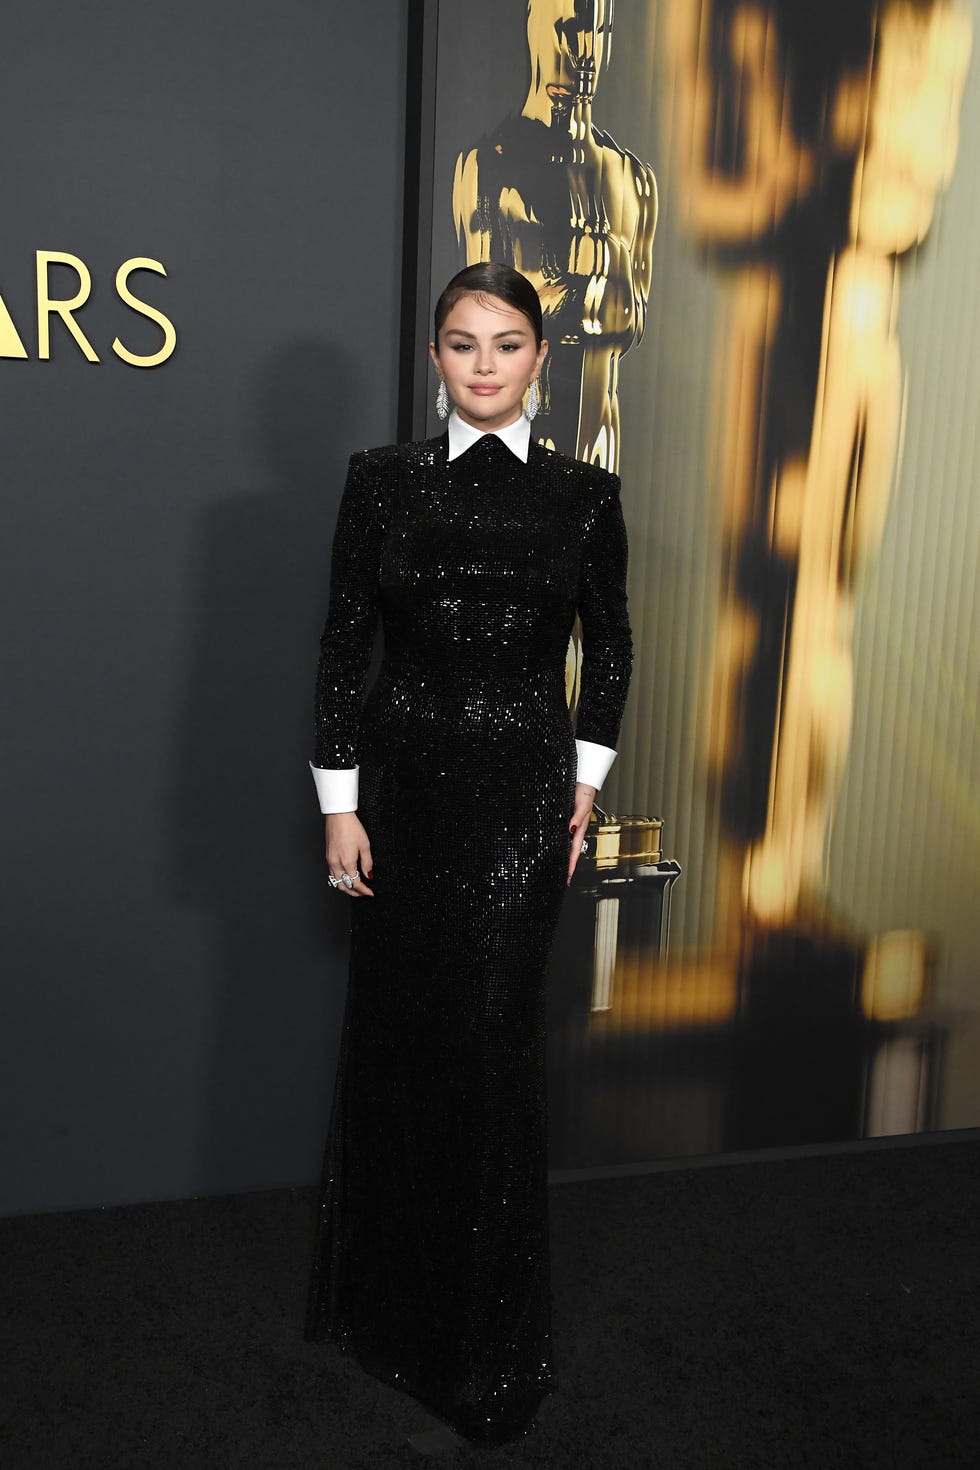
<point>349,851</point>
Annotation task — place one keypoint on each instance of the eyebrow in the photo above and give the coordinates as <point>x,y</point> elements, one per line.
<point>510,332</point>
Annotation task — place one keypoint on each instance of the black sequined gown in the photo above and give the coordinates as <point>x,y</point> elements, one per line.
<point>431,1258</point>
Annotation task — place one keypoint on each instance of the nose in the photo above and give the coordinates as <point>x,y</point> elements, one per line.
<point>484,366</point>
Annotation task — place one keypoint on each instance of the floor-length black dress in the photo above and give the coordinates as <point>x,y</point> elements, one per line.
<point>431,1258</point>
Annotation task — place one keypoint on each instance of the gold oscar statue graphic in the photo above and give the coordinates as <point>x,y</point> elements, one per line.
<point>813,142</point>
<point>812,207</point>
<point>552,195</point>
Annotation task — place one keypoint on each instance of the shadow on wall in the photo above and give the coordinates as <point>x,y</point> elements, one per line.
<point>246,843</point>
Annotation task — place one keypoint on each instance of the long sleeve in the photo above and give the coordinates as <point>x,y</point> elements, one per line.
<point>607,643</point>
<point>352,616</point>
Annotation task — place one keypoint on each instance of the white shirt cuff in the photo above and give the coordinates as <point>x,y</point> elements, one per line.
<point>336,790</point>
<point>594,762</point>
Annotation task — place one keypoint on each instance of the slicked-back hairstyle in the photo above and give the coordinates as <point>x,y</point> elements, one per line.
<point>489,279</point>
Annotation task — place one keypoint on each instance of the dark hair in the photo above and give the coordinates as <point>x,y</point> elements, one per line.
<point>489,279</point>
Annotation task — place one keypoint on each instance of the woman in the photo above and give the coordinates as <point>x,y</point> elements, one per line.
<point>456,803</point>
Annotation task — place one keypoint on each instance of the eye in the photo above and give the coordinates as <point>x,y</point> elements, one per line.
<point>508,346</point>
<point>461,347</point>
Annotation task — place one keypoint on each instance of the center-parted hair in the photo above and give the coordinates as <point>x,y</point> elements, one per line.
<point>489,279</point>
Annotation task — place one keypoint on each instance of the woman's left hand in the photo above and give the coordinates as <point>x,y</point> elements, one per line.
<point>584,797</point>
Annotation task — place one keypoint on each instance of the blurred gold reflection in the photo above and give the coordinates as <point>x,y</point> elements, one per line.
<point>651,996</point>
<point>811,163</point>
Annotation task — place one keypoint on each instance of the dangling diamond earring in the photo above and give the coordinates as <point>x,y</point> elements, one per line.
<point>442,400</point>
<point>533,401</point>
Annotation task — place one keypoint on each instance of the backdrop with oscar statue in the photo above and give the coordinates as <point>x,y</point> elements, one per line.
<point>752,227</point>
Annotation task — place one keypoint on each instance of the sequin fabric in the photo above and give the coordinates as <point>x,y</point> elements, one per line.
<point>431,1256</point>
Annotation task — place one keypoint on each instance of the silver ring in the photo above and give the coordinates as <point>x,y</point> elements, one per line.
<point>347,880</point>
<point>334,882</point>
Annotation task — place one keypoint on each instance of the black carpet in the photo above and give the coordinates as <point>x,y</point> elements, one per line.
<point>815,1312</point>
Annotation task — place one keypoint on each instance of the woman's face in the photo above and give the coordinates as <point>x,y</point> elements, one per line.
<point>488,356</point>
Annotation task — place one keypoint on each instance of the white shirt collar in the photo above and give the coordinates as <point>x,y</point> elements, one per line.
<point>462,436</point>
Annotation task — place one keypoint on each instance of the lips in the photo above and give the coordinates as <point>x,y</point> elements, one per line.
<point>485,388</point>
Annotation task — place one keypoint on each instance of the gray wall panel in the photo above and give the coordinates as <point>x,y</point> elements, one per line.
<point>172,972</point>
